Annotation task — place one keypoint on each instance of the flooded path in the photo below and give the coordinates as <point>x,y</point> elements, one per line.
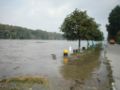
<point>30,65</point>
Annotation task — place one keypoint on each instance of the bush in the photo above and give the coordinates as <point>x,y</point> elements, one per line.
<point>118,39</point>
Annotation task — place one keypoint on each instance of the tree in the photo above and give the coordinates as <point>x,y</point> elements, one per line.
<point>79,26</point>
<point>118,37</point>
<point>114,23</point>
<point>16,32</point>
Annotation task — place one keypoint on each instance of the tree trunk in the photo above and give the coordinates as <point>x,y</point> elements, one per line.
<point>87,43</point>
<point>79,44</point>
<point>92,43</point>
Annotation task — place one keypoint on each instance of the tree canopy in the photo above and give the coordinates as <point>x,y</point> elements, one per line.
<point>114,23</point>
<point>16,32</point>
<point>79,26</point>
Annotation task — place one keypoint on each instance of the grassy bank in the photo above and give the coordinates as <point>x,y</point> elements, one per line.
<point>88,70</point>
<point>80,65</point>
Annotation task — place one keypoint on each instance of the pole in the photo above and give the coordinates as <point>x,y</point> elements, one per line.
<point>79,44</point>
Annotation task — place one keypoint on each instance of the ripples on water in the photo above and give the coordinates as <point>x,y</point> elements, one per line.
<point>35,57</point>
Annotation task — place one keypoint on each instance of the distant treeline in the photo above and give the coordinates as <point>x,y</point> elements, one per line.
<point>17,32</point>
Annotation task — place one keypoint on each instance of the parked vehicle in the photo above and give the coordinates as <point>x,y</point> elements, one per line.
<point>112,41</point>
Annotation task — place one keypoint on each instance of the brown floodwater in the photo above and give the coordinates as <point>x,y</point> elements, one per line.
<point>21,61</point>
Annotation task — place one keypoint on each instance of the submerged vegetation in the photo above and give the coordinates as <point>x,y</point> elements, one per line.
<point>23,83</point>
<point>81,67</point>
<point>25,79</point>
<point>87,71</point>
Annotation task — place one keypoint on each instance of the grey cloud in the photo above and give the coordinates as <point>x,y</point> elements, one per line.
<point>49,14</point>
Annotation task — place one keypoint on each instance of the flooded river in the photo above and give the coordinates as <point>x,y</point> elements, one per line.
<point>19,57</point>
<point>35,58</point>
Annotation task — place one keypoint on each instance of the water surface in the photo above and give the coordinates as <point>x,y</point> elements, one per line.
<point>34,58</point>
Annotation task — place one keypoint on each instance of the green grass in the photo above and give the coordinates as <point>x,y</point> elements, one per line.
<point>25,79</point>
<point>81,67</point>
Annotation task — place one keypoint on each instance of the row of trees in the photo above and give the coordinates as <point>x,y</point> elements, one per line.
<point>113,27</point>
<point>79,26</point>
<point>16,32</point>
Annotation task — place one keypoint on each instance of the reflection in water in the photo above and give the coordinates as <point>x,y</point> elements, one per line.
<point>65,60</point>
<point>80,70</point>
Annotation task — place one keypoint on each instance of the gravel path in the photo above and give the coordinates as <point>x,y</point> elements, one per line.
<point>113,54</point>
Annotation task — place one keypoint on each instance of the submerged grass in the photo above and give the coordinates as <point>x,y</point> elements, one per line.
<point>81,67</point>
<point>24,83</point>
<point>26,79</point>
<point>89,69</point>
<point>86,57</point>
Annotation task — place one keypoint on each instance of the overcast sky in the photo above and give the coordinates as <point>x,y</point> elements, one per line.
<point>49,14</point>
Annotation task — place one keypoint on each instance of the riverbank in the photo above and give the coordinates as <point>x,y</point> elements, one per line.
<point>94,70</point>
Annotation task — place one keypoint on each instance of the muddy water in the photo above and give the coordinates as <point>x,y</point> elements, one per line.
<point>35,58</point>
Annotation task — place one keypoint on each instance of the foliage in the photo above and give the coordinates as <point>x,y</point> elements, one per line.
<point>79,26</point>
<point>16,32</point>
<point>118,37</point>
<point>114,23</point>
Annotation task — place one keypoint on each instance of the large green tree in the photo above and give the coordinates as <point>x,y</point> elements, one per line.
<point>114,23</point>
<point>79,26</point>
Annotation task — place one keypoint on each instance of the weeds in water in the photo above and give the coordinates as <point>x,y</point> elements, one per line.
<point>16,83</point>
<point>25,79</point>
